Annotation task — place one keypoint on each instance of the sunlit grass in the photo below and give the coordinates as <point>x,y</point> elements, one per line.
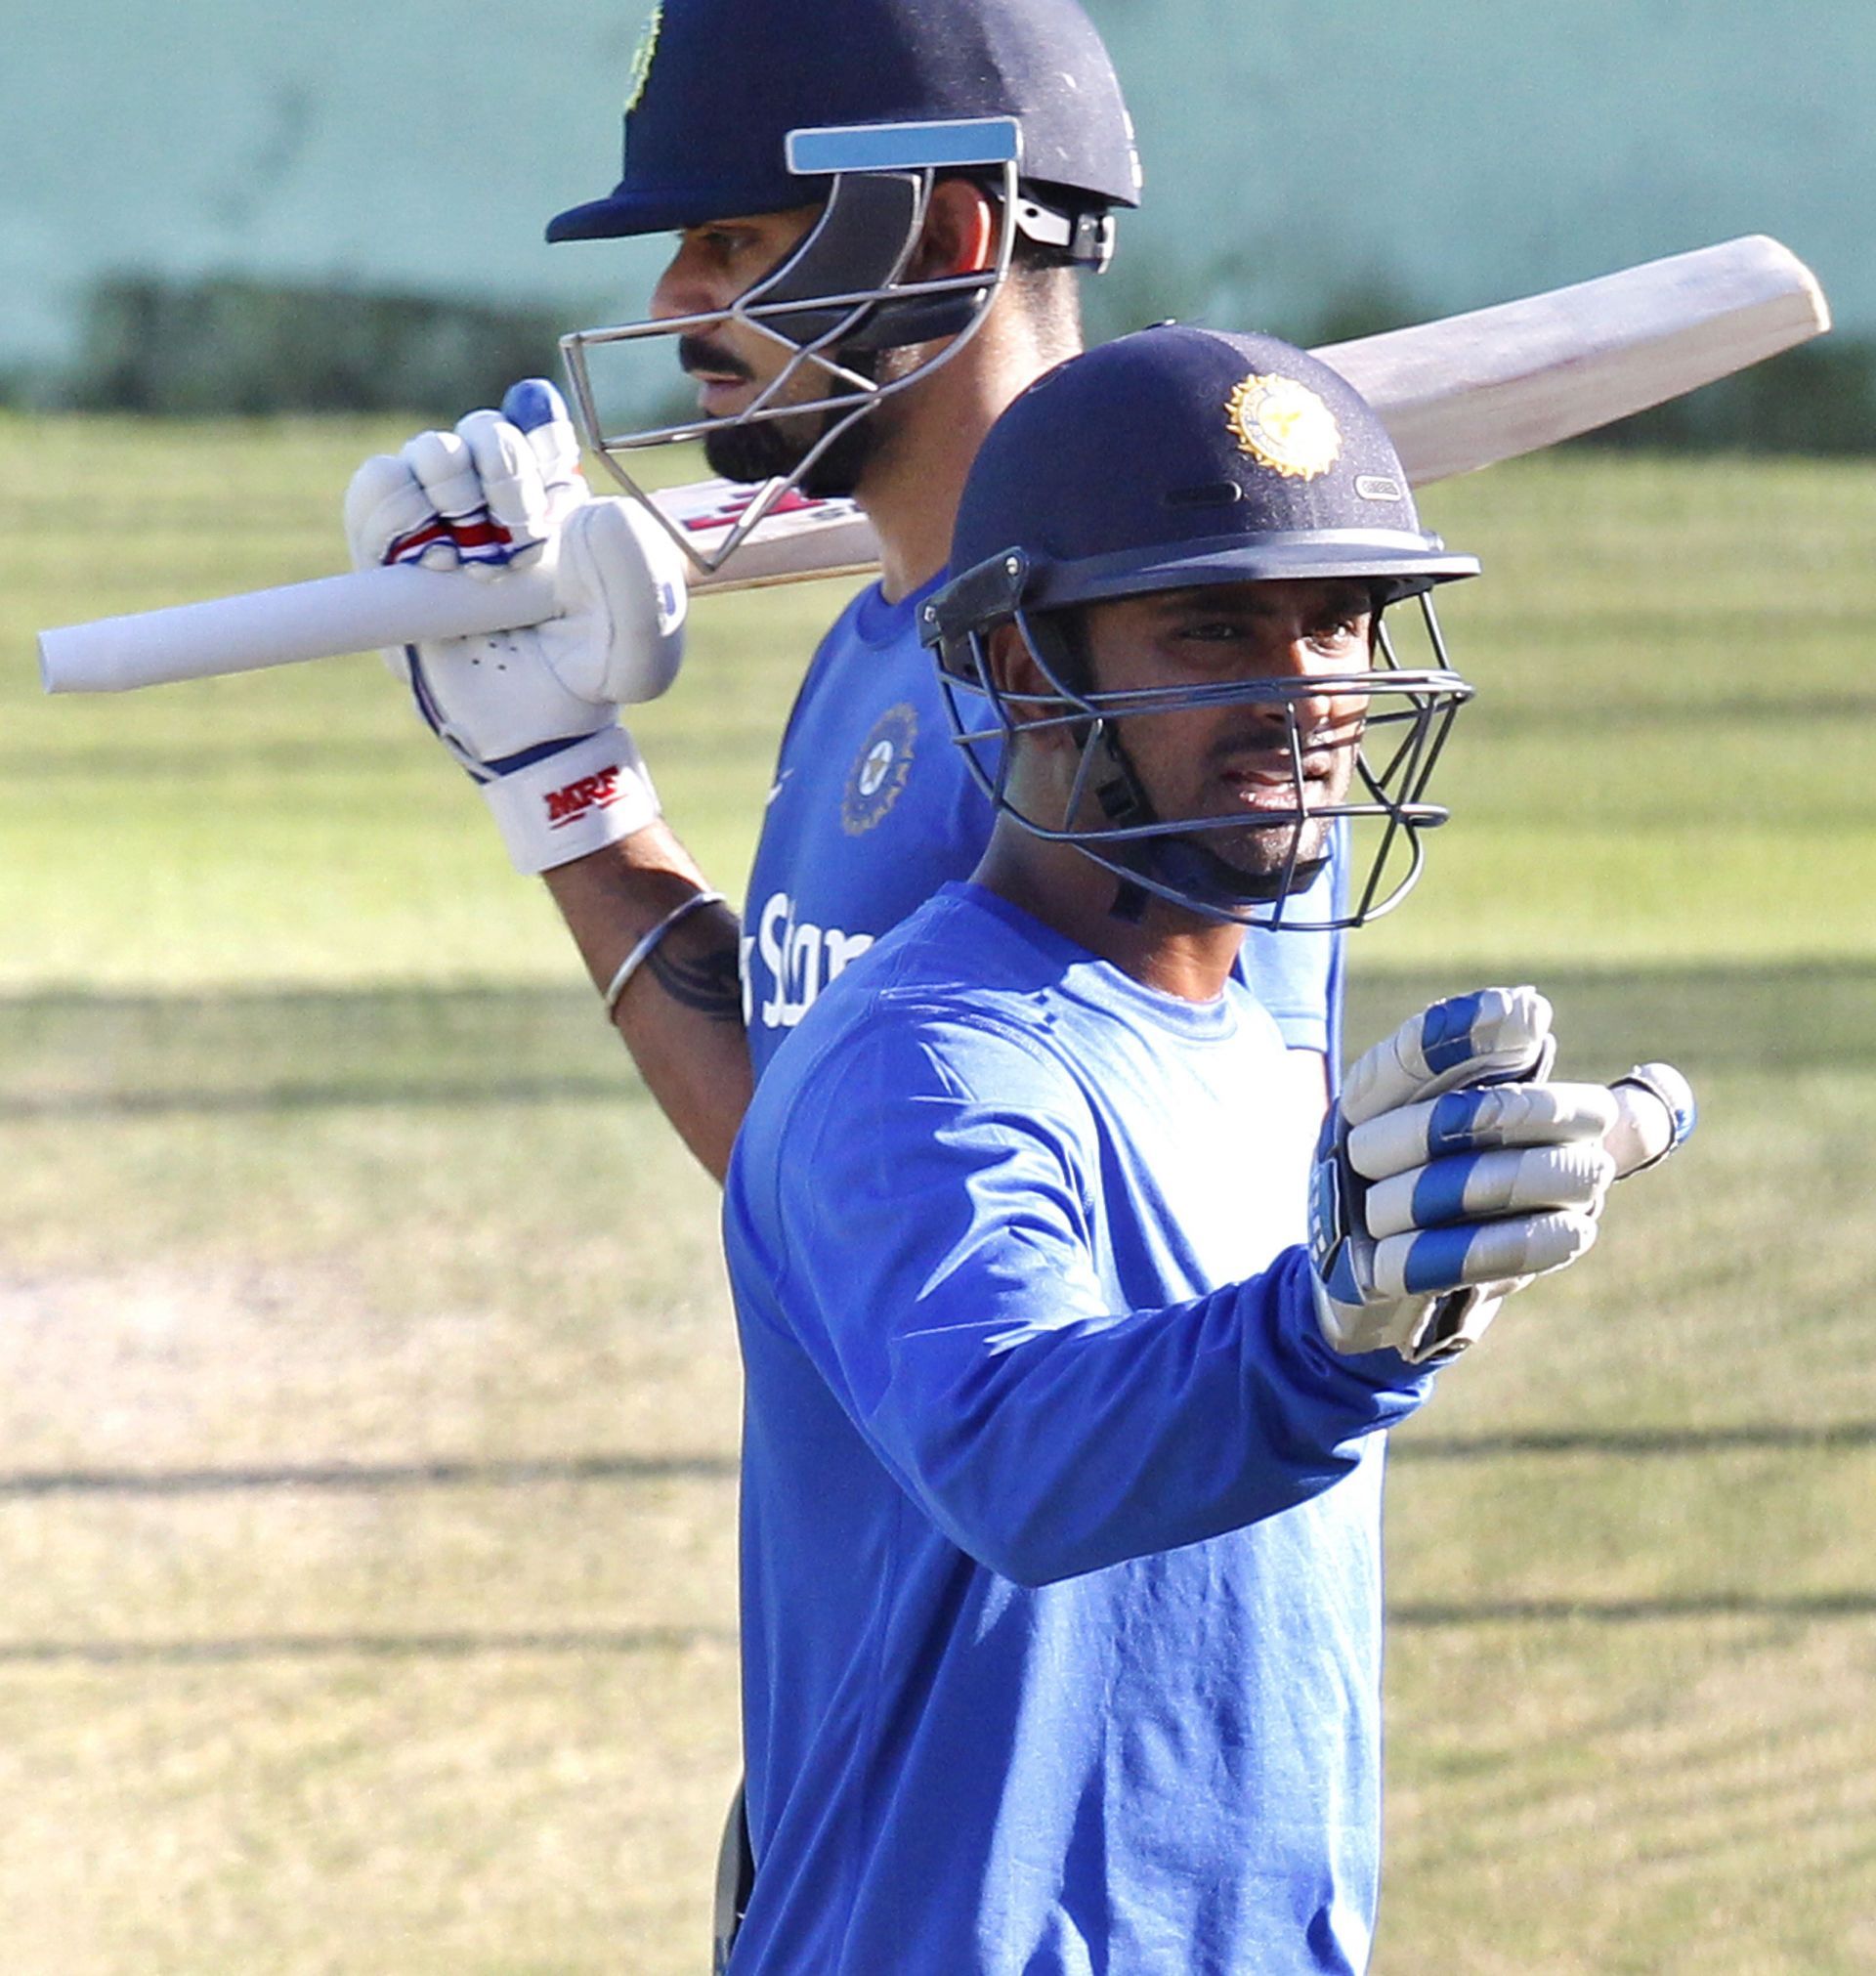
<point>369,1399</point>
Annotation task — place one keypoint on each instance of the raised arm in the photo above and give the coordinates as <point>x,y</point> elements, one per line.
<point>642,909</point>
<point>531,717</point>
<point>934,1241</point>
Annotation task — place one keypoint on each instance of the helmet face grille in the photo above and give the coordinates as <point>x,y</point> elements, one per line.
<point>1199,861</point>
<point>813,324</point>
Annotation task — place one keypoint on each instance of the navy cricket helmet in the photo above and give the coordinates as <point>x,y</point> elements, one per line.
<point>717,88</point>
<point>744,107</point>
<point>1179,459</point>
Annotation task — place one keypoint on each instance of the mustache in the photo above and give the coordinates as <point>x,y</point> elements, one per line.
<point>700,352</point>
<point>1318,745</point>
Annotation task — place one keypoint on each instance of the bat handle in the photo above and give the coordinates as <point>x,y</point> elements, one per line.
<point>401,604</point>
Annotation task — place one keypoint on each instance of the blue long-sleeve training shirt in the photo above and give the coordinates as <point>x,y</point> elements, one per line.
<point>1060,1523</point>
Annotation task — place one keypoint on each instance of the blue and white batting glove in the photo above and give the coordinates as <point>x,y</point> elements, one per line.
<point>532,715</point>
<point>1452,1172</point>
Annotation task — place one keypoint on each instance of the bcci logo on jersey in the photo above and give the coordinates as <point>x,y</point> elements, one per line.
<point>881,770</point>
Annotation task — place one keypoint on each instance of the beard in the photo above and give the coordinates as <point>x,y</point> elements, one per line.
<point>1261,856</point>
<point>774,449</point>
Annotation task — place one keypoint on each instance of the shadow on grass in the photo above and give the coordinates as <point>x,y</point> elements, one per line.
<point>76,1055</point>
<point>359,1645</point>
<point>1774,1436</point>
<point>371,1477</point>
<point>1429,1614</point>
<point>460,1095</point>
<point>1786,1017</point>
<point>1418,1615</point>
<point>71,1054</point>
<point>1744,1436</point>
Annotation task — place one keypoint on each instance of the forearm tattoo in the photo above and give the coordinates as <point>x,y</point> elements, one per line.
<point>704,980</point>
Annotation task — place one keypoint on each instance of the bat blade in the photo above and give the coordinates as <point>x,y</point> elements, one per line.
<point>800,536</point>
<point>1470,390</point>
<point>1456,395</point>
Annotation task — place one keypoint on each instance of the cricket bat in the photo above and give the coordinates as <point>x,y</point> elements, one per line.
<point>1455,395</point>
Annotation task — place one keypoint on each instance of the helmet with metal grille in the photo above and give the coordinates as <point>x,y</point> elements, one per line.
<point>744,107</point>
<point>1187,460</point>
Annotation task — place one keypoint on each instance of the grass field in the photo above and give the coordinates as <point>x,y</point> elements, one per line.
<point>367,1391</point>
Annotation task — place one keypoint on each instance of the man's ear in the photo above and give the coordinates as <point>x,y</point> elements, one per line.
<point>960,231</point>
<point>1016,672</point>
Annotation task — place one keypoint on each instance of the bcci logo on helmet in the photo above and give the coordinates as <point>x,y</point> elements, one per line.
<point>639,72</point>
<point>1283,425</point>
<point>881,770</point>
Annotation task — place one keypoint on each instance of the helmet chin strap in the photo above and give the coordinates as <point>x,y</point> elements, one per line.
<point>1131,901</point>
<point>1206,877</point>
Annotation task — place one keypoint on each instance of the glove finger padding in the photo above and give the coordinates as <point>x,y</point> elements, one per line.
<point>1473,1120</point>
<point>389,519</point>
<point>447,468</point>
<point>514,494</point>
<point>443,465</point>
<point>1492,1034</point>
<point>1448,1325</point>
<point>1419,1329</point>
<point>1658,1117</point>
<point>1429,1261</point>
<point>535,406</point>
<point>1473,1187</point>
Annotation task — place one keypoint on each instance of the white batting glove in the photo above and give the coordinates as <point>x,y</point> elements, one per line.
<point>532,715</point>
<point>1452,1172</point>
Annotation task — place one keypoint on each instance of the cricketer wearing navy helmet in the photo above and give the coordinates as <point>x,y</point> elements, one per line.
<point>843,126</point>
<point>1061,1488</point>
<point>879,207</point>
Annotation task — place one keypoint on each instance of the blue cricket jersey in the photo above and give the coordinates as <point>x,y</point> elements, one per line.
<point>1061,1573</point>
<point>874,808</point>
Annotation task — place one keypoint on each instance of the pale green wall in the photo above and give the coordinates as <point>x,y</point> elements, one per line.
<point>1460,152</point>
<point>1446,153</point>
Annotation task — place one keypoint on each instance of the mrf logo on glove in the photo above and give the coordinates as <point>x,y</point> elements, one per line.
<point>590,793</point>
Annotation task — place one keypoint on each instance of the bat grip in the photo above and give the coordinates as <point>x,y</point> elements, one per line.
<point>401,604</point>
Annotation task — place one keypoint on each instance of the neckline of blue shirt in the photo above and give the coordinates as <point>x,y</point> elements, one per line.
<point>877,623</point>
<point>1100,983</point>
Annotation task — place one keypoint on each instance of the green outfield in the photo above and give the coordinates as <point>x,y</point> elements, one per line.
<point>369,1397</point>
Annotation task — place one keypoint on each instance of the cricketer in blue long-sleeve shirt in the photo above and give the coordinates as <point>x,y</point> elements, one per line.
<point>1060,1521</point>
